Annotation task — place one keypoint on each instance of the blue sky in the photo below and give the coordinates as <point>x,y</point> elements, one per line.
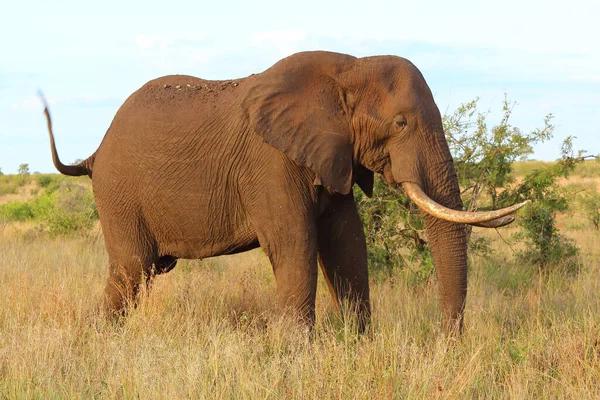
<point>87,57</point>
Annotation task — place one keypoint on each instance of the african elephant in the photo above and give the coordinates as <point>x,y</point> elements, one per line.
<point>191,168</point>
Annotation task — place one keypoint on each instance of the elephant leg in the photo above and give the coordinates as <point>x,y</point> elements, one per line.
<point>343,258</point>
<point>292,251</point>
<point>122,287</point>
<point>132,257</point>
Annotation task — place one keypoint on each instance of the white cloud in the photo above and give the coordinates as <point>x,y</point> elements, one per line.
<point>550,26</point>
<point>585,78</point>
<point>165,53</point>
<point>147,42</point>
<point>281,43</point>
<point>144,42</point>
<point>30,103</point>
<point>199,57</point>
<point>35,103</point>
<point>279,36</point>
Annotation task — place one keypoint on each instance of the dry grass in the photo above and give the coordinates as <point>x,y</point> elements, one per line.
<point>211,329</point>
<point>22,193</point>
<point>31,189</point>
<point>586,169</point>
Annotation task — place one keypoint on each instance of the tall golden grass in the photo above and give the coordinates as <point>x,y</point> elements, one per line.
<point>211,329</point>
<point>586,169</point>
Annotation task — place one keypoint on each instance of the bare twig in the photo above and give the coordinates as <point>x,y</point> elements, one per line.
<point>505,241</point>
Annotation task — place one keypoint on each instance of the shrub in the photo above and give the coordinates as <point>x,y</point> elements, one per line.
<point>484,160</point>
<point>63,208</point>
<point>393,228</point>
<point>15,211</point>
<point>67,209</point>
<point>23,175</point>
<point>23,169</point>
<point>484,157</point>
<point>545,246</point>
<point>44,181</point>
<point>589,203</point>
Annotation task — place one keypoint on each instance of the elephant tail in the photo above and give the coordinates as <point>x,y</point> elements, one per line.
<point>82,168</point>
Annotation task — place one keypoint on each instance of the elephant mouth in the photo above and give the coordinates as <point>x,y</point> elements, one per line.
<point>485,219</point>
<point>388,177</point>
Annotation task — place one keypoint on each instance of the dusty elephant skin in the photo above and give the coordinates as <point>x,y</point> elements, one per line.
<point>191,168</point>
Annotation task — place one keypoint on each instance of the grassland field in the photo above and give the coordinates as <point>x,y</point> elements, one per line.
<point>211,328</point>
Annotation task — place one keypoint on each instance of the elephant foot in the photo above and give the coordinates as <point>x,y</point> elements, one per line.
<point>123,288</point>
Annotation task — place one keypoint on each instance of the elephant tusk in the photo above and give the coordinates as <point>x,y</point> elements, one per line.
<point>495,223</point>
<point>488,219</point>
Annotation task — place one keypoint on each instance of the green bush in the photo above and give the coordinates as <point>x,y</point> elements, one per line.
<point>63,208</point>
<point>15,211</point>
<point>484,159</point>
<point>44,181</point>
<point>545,247</point>
<point>68,208</point>
<point>393,229</point>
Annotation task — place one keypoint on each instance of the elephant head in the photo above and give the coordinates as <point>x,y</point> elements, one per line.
<point>346,118</point>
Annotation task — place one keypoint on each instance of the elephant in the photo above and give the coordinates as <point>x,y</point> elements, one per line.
<point>193,168</point>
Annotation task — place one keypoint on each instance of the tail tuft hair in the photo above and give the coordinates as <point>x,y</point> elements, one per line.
<point>83,168</point>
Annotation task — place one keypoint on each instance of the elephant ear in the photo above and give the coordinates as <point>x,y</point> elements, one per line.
<point>298,107</point>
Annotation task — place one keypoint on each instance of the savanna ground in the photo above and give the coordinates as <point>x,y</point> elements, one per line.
<point>211,329</point>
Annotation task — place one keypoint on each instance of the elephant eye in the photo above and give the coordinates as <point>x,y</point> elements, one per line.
<point>400,121</point>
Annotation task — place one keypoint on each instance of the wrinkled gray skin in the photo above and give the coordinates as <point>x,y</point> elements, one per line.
<point>191,168</point>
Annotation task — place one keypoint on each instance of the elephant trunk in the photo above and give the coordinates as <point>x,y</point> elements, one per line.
<point>429,178</point>
<point>448,243</point>
<point>447,238</point>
